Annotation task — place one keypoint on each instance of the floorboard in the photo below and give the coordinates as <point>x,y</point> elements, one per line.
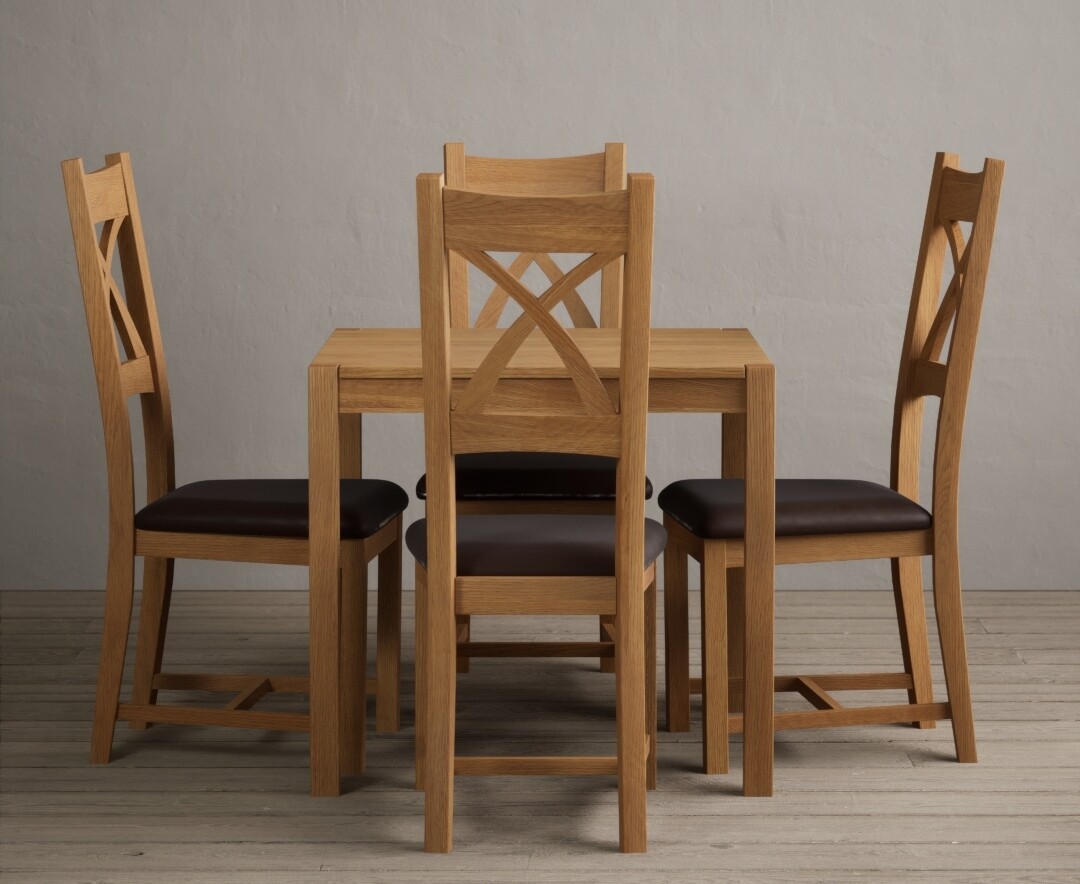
<point>860,804</point>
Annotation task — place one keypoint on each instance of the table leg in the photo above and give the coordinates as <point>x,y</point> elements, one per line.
<point>733,466</point>
<point>760,554</point>
<point>354,592</point>
<point>324,575</point>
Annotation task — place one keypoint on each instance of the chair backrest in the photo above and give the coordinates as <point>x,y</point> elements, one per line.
<point>125,339</point>
<point>559,176</point>
<point>464,415</point>
<point>927,366</point>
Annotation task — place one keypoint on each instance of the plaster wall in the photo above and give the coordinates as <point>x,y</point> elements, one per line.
<point>275,146</point>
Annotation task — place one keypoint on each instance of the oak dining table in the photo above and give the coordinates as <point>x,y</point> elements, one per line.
<point>374,370</point>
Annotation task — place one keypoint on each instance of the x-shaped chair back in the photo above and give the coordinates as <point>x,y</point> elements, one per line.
<point>105,200</point>
<point>558,176</point>
<point>927,366</point>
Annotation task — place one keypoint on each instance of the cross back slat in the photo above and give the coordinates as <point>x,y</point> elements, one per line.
<point>946,313</point>
<point>558,176</point>
<point>942,324</point>
<point>536,313</point>
<point>474,224</point>
<point>955,197</point>
<point>496,303</point>
<point>125,325</point>
<point>958,201</point>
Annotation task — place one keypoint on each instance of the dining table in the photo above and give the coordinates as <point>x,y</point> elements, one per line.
<point>691,370</point>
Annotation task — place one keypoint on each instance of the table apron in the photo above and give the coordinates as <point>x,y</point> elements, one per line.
<point>671,395</point>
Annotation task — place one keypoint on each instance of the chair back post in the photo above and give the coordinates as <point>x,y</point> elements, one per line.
<point>976,263</point>
<point>636,323</point>
<point>435,323</point>
<point>454,176</point>
<point>954,197</point>
<point>611,280</point>
<point>107,197</point>
<point>557,176</point>
<point>156,405</point>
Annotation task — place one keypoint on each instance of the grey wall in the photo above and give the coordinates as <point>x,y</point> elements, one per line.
<point>275,146</point>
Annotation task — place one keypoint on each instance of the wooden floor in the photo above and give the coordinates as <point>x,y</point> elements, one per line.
<point>880,804</point>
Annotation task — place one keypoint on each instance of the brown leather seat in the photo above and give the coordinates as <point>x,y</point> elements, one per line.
<point>713,508</point>
<point>528,475</point>
<point>536,545</point>
<point>269,508</point>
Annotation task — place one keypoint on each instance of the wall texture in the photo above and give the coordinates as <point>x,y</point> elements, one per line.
<point>275,146</point>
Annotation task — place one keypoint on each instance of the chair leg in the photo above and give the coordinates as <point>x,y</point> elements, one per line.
<point>676,639</point>
<point>420,704</point>
<point>950,619</point>
<point>607,624</point>
<point>153,621</point>
<point>353,677</point>
<point>119,597</point>
<point>464,635</point>
<point>911,617</point>
<point>440,693</point>
<point>736,642</point>
<point>630,720</point>
<point>650,681</point>
<point>714,658</point>
<point>388,644</point>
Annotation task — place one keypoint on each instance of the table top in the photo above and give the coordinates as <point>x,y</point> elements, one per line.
<point>673,352</point>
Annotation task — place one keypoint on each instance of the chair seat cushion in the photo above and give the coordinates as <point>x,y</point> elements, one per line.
<point>529,475</point>
<point>269,508</point>
<point>713,508</point>
<point>536,545</point>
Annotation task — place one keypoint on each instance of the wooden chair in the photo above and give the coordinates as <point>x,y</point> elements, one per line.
<point>841,520</point>
<point>527,481</point>
<point>243,521</point>
<point>535,563</point>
